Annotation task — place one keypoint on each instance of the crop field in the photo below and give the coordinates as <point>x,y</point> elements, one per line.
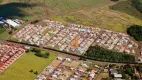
<point>20,69</point>
<point>96,13</point>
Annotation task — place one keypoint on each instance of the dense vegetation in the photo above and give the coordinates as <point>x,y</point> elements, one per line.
<point>137,4</point>
<point>136,32</point>
<point>39,53</point>
<point>99,53</point>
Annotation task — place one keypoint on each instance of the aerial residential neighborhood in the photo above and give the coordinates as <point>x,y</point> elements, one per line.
<point>56,35</point>
<point>70,39</point>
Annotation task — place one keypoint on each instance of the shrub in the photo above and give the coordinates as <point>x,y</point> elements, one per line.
<point>10,32</point>
<point>36,50</point>
<point>31,70</point>
<point>36,72</point>
<point>46,55</point>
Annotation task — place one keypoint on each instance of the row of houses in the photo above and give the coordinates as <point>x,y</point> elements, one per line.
<point>9,53</point>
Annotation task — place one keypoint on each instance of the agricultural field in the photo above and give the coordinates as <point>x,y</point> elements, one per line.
<point>20,69</point>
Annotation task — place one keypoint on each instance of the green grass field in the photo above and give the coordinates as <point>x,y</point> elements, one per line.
<point>20,69</point>
<point>2,30</point>
<point>4,36</point>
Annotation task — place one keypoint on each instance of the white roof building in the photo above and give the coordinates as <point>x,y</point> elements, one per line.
<point>117,76</point>
<point>12,23</point>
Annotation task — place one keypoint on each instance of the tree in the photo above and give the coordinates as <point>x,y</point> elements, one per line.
<point>140,67</point>
<point>35,21</point>
<point>125,76</point>
<point>10,32</point>
<point>39,54</point>
<point>46,55</point>
<point>36,72</point>
<point>136,32</point>
<point>31,70</point>
<point>36,50</point>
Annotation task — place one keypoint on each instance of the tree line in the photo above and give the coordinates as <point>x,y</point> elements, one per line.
<point>102,54</point>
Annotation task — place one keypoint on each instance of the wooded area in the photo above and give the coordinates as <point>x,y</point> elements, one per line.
<point>102,54</point>
<point>136,32</point>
